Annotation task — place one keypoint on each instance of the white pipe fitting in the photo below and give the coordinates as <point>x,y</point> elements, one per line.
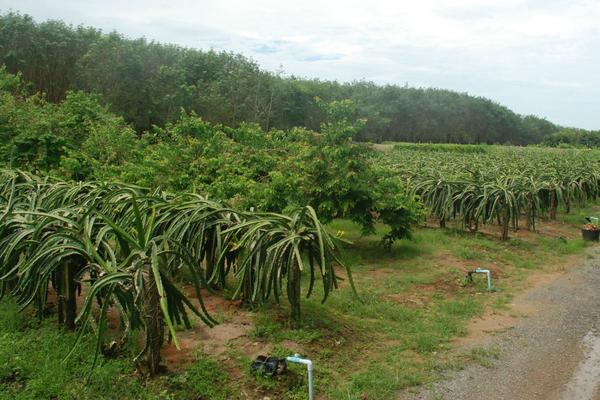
<point>488,274</point>
<point>309,366</point>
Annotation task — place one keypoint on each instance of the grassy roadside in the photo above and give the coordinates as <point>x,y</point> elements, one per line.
<point>415,302</point>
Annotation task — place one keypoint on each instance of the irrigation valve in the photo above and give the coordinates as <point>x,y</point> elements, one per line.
<point>488,274</point>
<point>271,366</point>
<point>309,366</point>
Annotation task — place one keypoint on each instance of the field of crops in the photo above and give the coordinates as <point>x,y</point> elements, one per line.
<point>507,186</point>
<point>117,263</point>
<point>126,248</point>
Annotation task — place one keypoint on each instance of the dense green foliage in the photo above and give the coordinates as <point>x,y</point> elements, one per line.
<point>500,184</point>
<point>80,139</point>
<point>147,83</point>
<point>573,138</point>
<point>128,246</point>
<point>38,134</point>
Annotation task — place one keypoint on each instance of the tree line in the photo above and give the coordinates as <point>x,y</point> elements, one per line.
<point>570,137</point>
<point>148,83</point>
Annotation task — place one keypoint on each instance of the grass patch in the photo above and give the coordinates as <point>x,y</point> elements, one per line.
<point>203,379</point>
<point>32,366</point>
<point>484,356</point>
<point>562,246</point>
<point>267,327</point>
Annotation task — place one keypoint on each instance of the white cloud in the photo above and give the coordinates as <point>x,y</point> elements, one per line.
<point>535,56</point>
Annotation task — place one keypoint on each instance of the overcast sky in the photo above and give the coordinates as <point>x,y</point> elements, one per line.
<point>537,57</point>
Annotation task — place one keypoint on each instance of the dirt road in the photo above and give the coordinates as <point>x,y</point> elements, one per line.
<point>552,354</point>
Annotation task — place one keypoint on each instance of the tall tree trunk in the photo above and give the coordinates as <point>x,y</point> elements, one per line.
<point>70,295</point>
<point>505,224</point>
<point>58,280</point>
<point>66,293</point>
<point>154,322</point>
<point>268,118</point>
<point>530,214</point>
<point>553,204</point>
<point>294,293</point>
